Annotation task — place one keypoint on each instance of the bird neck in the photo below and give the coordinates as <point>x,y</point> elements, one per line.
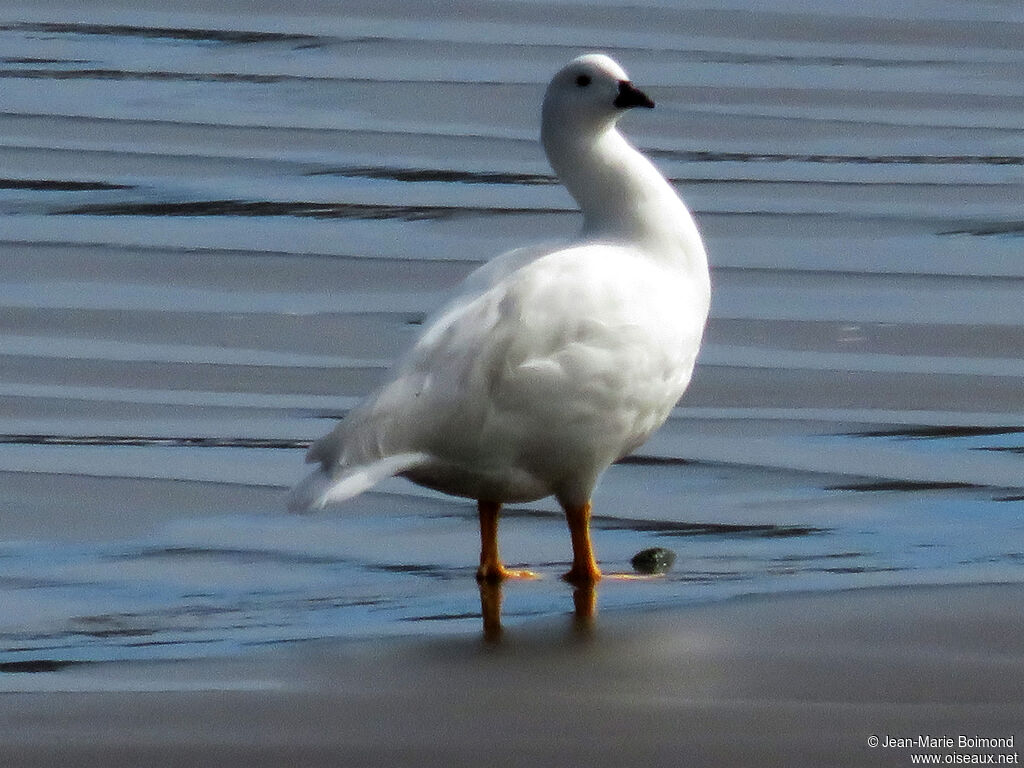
<point>623,197</point>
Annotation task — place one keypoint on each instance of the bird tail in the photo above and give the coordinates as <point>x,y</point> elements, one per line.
<point>322,487</point>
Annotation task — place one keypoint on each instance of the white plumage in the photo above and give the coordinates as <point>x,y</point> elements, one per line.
<point>551,363</point>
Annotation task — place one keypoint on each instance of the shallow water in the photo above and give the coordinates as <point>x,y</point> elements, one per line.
<point>218,229</point>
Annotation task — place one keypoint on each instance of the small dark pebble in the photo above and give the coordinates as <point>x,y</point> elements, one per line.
<point>653,560</point>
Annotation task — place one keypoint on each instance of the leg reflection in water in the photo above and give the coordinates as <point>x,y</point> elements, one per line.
<point>584,598</point>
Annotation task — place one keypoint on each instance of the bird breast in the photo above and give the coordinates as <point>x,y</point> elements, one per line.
<point>584,350</point>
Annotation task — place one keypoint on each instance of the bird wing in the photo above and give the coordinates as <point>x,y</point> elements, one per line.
<point>573,347</point>
<point>369,432</point>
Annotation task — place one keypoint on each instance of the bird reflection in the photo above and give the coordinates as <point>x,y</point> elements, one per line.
<point>490,609</point>
<point>584,598</point>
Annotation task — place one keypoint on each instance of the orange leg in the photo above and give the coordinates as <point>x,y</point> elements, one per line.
<point>584,567</point>
<point>491,568</point>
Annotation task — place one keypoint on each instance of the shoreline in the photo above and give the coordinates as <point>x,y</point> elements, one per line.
<point>801,679</point>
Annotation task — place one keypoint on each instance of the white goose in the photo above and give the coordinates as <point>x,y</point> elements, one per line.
<point>551,363</point>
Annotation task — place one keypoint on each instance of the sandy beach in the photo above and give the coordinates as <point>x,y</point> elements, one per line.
<point>220,224</point>
<point>793,680</point>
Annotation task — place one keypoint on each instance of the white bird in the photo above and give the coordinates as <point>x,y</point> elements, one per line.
<point>551,363</point>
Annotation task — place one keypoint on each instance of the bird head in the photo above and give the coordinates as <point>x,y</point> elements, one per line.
<point>590,92</point>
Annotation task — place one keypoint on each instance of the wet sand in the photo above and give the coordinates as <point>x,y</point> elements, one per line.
<point>221,225</point>
<point>786,680</point>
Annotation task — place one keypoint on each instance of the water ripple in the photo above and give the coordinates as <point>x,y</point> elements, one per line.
<point>218,236</point>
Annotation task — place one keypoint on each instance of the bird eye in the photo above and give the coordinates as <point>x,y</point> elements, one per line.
<point>583,81</point>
